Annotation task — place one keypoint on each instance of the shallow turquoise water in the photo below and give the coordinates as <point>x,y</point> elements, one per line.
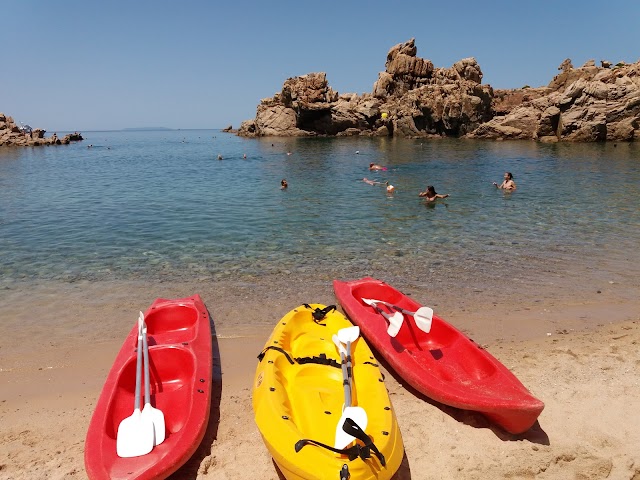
<point>159,205</point>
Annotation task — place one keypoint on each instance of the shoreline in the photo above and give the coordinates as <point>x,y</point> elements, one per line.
<point>584,371</point>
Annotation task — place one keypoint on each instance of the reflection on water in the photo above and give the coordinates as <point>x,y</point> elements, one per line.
<point>159,205</point>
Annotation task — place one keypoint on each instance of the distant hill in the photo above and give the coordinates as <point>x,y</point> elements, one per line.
<point>138,129</point>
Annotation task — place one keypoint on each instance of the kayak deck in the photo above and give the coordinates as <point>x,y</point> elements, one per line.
<point>304,400</point>
<point>443,364</point>
<point>180,373</point>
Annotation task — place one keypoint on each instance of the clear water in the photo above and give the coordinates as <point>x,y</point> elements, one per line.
<point>159,205</point>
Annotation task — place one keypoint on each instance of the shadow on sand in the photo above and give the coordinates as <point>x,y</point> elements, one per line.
<point>190,469</point>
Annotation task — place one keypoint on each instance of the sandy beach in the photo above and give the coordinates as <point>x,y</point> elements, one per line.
<point>579,355</point>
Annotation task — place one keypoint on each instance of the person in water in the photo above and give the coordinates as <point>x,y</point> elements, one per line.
<point>283,184</point>
<point>373,166</point>
<point>431,195</point>
<point>507,183</point>
<point>373,182</point>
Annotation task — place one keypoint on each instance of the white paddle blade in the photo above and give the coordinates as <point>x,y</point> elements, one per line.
<point>423,318</point>
<point>156,417</point>
<point>349,334</point>
<point>135,436</point>
<point>395,323</point>
<point>369,301</point>
<point>358,415</point>
<point>339,345</point>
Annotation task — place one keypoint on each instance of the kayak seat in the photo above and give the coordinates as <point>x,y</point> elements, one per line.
<point>442,336</point>
<point>320,397</point>
<point>479,366</point>
<point>177,367</point>
<point>377,292</point>
<point>310,345</point>
<point>172,323</point>
<point>443,363</point>
<point>438,365</point>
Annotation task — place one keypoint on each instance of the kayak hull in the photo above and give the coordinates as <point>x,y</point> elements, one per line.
<point>304,400</point>
<point>180,369</point>
<point>443,364</point>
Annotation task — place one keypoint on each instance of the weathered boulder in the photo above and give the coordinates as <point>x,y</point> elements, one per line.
<point>276,120</point>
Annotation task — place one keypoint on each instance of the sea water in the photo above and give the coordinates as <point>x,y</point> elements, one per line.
<point>149,205</point>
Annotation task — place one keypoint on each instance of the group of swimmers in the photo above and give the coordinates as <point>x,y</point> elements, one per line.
<point>430,194</point>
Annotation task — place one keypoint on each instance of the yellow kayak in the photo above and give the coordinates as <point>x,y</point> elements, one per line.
<point>302,384</point>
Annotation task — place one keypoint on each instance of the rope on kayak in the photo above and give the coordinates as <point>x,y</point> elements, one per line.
<point>355,451</point>
<point>319,313</point>
<point>279,349</point>
<point>321,359</point>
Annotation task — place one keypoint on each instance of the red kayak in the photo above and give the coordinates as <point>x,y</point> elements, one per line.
<point>443,364</point>
<point>180,370</point>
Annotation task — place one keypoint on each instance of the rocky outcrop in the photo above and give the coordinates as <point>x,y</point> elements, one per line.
<point>13,135</point>
<point>411,98</point>
<point>586,104</point>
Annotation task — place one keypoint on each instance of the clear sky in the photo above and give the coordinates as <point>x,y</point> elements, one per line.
<point>107,65</point>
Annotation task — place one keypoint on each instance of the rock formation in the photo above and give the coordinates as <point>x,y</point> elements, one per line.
<point>586,104</point>
<point>13,135</point>
<point>412,98</point>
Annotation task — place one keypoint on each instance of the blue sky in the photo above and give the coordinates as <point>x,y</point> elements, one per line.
<point>83,65</point>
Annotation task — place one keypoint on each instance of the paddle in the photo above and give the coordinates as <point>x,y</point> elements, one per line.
<point>423,316</point>
<point>395,320</point>
<point>347,336</point>
<point>135,433</point>
<point>150,413</point>
<point>357,414</point>
<point>345,375</point>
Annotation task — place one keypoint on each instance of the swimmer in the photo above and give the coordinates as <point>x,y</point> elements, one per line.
<point>373,182</point>
<point>244,155</point>
<point>283,184</point>
<point>507,183</point>
<point>219,157</point>
<point>431,195</point>
<point>373,166</point>
<point>391,189</point>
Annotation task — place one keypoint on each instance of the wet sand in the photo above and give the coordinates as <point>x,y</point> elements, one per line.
<point>577,350</point>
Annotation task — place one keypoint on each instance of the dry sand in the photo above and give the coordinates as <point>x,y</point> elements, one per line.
<point>581,358</point>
